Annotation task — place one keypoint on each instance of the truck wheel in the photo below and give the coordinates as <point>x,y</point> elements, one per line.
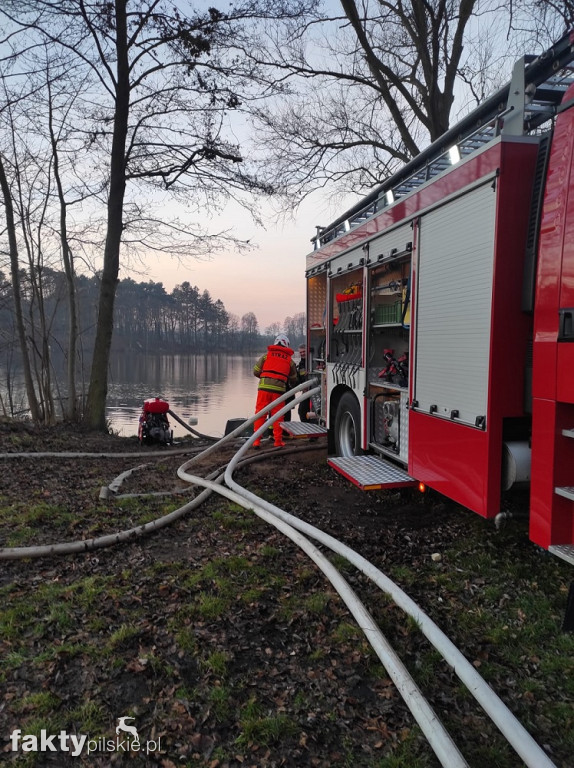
<point>348,427</point>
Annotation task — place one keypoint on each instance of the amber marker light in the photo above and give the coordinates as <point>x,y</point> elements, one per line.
<point>422,487</point>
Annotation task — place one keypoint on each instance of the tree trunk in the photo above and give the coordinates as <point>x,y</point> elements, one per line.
<point>72,407</point>
<point>71,410</point>
<point>15,272</point>
<point>98,388</point>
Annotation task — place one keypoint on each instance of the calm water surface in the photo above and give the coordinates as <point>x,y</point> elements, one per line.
<point>209,388</point>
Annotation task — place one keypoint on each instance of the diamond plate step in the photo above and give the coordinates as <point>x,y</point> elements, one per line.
<point>370,473</point>
<point>564,551</point>
<point>299,429</point>
<point>567,491</point>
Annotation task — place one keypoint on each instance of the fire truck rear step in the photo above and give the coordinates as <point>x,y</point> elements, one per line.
<point>564,551</point>
<point>370,473</point>
<point>299,429</point>
<point>567,491</point>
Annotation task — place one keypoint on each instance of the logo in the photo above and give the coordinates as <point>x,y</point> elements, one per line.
<point>121,726</point>
<point>76,743</point>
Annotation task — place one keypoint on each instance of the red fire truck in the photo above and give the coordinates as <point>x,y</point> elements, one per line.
<point>441,311</point>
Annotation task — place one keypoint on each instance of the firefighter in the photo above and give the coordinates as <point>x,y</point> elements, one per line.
<point>305,406</point>
<point>276,372</point>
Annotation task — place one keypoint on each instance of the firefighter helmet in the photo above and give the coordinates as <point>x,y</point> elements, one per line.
<point>282,340</point>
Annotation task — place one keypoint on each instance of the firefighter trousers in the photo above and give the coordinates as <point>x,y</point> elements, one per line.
<point>264,398</point>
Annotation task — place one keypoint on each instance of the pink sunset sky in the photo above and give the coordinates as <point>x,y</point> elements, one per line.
<point>268,281</point>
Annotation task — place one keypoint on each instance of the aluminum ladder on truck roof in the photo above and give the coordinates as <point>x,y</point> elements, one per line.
<point>526,103</point>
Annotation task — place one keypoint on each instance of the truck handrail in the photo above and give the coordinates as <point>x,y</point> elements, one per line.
<point>535,91</point>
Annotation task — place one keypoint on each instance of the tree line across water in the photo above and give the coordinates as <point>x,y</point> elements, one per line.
<point>147,318</point>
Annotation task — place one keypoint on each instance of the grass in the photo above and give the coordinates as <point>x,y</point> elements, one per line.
<point>211,607</point>
<point>221,702</point>
<point>121,636</point>
<point>90,716</point>
<point>346,632</point>
<point>20,522</point>
<point>270,552</point>
<point>216,663</point>
<point>28,523</point>
<point>186,640</point>
<point>41,703</point>
<point>406,754</point>
<point>258,729</point>
<point>316,602</point>
<point>233,517</point>
<point>168,627</point>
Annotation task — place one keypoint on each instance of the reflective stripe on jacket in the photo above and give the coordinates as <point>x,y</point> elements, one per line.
<point>275,368</point>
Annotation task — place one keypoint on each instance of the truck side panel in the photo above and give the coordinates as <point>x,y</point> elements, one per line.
<point>479,336</point>
<point>552,483</point>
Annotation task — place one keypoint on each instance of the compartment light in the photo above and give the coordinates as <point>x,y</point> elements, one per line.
<point>454,154</point>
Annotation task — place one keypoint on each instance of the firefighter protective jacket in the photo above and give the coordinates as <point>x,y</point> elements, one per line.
<point>275,369</point>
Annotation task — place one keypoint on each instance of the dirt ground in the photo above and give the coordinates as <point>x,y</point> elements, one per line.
<point>290,659</point>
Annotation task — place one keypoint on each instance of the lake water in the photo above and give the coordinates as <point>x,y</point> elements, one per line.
<point>208,388</point>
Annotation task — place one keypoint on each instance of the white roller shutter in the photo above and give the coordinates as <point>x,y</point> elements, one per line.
<point>454,297</point>
<point>395,239</point>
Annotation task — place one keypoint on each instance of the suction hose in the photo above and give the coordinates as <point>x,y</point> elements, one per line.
<point>522,742</point>
<point>189,428</point>
<point>238,431</point>
<point>109,540</point>
<point>437,736</point>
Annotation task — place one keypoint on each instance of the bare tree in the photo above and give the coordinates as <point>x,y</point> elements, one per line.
<point>249,329</point>
<point>294,327</point>
<point>233,331</point>
<point>367,89</point>
<point>552,16</point>
<point>273,330</point>
<point>15,274</point>
<point>66,252</point>
<point>35,104</point>
<point>159,85</point>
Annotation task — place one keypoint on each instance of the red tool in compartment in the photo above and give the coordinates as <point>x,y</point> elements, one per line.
<point>395,371</point>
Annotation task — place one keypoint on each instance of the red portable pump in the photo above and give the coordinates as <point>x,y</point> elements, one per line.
<point>154,425</point>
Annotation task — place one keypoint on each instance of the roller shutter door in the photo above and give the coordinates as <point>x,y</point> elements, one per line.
<point>454,298</point>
